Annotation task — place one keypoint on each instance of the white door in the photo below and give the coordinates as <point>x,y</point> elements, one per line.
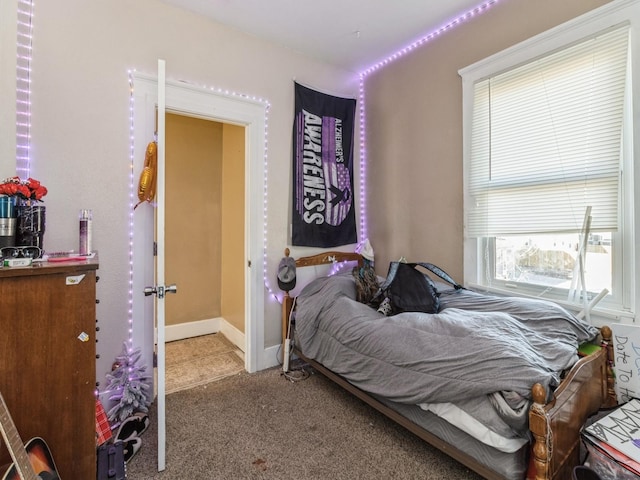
<point>150,93</point>
<point>160,267</point>
<point>160,289</point>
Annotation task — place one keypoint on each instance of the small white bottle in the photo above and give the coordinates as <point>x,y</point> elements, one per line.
<point>86,220</point>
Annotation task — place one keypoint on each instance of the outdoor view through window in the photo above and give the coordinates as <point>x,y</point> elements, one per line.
<point>551,260</point>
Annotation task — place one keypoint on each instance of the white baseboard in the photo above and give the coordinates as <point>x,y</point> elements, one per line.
<point>181,331</point>
<point>234,335</point>
<point>271,357</point>
<point>205,327</point>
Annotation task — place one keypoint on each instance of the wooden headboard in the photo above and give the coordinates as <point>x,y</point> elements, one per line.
<point>324,258</point>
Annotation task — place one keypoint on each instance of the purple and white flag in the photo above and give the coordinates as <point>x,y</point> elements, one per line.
<point>323,205</point>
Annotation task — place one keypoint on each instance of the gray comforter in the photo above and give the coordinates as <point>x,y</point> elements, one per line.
<point>482,353</point>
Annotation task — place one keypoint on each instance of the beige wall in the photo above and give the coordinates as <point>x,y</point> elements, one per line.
<point>193,218</point>
<point>205,221</point>
<point>233,225</point>
<point>82,52</point>
<point>81,125</point>
<point>414,132</point>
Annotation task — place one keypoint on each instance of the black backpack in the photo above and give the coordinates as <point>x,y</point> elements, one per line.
<point>410,290</point>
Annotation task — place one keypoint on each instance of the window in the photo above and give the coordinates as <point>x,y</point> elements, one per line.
<point>548,164</point>
<point>551,261</point>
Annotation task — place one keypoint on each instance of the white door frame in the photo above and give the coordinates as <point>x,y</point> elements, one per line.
<point>190,100</point>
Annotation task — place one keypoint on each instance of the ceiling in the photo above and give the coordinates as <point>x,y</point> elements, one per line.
<point>351,34</point>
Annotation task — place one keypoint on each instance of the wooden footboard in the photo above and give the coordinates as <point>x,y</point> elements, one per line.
<point>555,426</point>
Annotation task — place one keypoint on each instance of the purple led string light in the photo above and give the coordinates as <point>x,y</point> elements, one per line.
<point>23,120</point>
<point>483,7</point>
<point>383,63</point>
<point>361,97</point>
<point>23,87</point>
<point>131,204</point>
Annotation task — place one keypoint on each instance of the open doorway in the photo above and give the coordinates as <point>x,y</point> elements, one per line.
<point>204,236</point>
<point>250,116</point>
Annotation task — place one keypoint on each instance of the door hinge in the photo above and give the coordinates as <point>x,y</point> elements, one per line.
<point>155,249</point>
<point>249,263</point>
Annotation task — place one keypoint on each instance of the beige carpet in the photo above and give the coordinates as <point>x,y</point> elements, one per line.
<point>200,360</point>
<point>261,426</point>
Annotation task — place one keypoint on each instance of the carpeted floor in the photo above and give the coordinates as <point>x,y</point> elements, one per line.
<point>263,426</point>
<point>200,360</point>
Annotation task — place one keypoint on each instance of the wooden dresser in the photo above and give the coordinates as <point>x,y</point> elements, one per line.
<point>48,360</point>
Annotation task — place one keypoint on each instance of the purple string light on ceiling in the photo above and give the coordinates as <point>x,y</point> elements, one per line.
<point>460,19</point>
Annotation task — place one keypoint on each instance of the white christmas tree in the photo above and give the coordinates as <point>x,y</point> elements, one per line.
<point>129,387</point>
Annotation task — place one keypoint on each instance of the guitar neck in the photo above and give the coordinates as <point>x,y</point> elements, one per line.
<point>14,444</point>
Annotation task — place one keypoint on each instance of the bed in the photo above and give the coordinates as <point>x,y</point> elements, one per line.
<point>537,435</point>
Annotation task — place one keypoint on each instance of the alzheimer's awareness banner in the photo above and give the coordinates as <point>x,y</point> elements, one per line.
<point>323,205</point>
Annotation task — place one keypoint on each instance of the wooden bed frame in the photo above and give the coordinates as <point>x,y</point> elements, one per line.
<point>555,426</point>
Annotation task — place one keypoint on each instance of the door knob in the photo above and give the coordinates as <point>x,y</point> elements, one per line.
<point>160,291</point>
<point>149,291</point>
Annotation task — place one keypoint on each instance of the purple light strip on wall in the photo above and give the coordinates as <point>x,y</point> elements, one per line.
<point>465,17</point>
<point>24,45</point>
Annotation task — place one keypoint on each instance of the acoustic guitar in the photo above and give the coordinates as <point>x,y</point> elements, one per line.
<point>31,462</point>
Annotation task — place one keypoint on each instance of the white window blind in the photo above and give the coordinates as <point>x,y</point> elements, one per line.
<point>546,141</point>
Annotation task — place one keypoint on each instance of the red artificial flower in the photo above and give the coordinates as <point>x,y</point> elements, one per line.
<point>9,189</point>
<point>24,191</point>
<point>40,192</point>
<point>30,189</point>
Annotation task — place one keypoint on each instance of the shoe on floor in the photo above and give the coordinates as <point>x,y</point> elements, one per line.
<point>584,473</point>
<point>134,426</point>
<point>131,447</point>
